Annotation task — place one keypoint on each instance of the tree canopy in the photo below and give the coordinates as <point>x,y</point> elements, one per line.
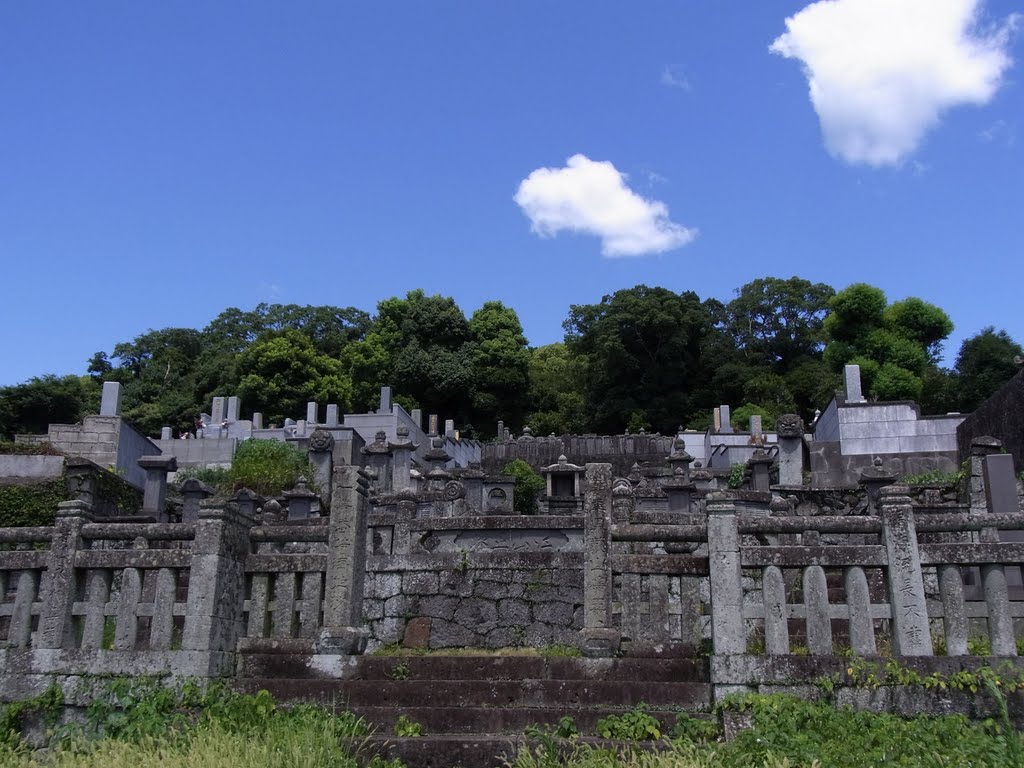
<point>641,357</point>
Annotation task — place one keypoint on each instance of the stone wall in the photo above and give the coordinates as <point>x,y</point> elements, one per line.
<point>108,441</point>
<point>621,451</point>
<point>832,468</point>
<point>1001,417</point>
<point>480,600</point>
<point>19,468</point>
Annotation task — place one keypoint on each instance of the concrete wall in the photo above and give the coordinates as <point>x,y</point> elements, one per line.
<point>1002,417</point>
<point>133,445</point>
<point>34,468</point>
<point>832,468</point>
<point>621,451</point>
<point>871,428</point>
<point>216,452</point>
<point>108,441</point>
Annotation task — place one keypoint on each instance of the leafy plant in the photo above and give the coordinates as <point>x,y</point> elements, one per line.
<point>399,672</point>
<point>695,729</point>
<point>528,484</point>
<point>404,727</point>
<point>635,725</point>
<point>737,475</point>
<point>269,466</point>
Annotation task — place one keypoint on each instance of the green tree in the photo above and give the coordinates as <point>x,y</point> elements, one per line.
<point>30,407</point>
<point>777,322</point>
<point>528,484</point>
<point>501,363</point>
<point>556,391</point>
<point>283,371</point>
<point>896,345</point>
<point>642,350</point>
<point>984,363</point>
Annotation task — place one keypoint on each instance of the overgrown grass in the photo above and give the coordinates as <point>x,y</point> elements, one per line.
<point>548,651</point>
<point>792,732</point>
<point>140,723</point>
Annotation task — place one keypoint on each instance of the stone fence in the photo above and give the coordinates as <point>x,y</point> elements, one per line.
<point>751,578</point>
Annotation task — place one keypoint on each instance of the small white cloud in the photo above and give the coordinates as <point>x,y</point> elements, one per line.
<point>882,72</point>
<point>673,78</point>
<point>592,197</point>
<point>1000,131</point>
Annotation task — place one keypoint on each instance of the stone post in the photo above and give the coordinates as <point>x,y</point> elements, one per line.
<point>257,420</point>
<point>449,428</point>
<point>600,638</point>
<point>851,378</point>
<point>110,402</point>
<point>321,456</point>
<point>312,414</point>
<point>910,634</point>
<point>154,498</point>
<point>332,415</point>
<point>234,409</point>
<point>343,631</point>
<point>385,400</point>
<point>166,433</point>
<point>401,460</point>
<point>726,576</point>
<point>790,429</point>
<point>874,479</point>
<point>417,418</point>
<point>217,412</point>
<point>58,589</point>
<point>300,500</point>
<point>378,460</point>
<point>216,595</point>
<point>623,501</point>
<point>726,420</point>
<point>80,479</point>
<point>193,492</point>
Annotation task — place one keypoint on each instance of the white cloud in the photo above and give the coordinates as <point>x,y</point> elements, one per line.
<point>1000,131</point>
<point>673,78</point>
<point>592,197</point>
<point>882,72</point>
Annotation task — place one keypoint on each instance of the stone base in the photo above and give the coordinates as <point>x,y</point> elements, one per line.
<point>346,641</point>
<point>600,643</point>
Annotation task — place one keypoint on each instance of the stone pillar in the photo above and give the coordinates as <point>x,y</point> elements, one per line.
<point>449,429</point>
<point>321,456</point>
<point>234,409</point>
<point>166,433</point>
<point>110,402</point>
<point>473,480</point>
<point>300,500</point>
<point>819,623</point>
<point>997,602</point>
<point>776,614</point>
<point>623,501</point>
<point>600,638</point>
<point>216,595</point>
<point>312,414</point>
<point>727,628</point>
<point>725,417</point>
<point>194,493</point>
<point>154,499</point>
<point>910,635</point>
<point>385,400</point>
<point>851,378</point>
<point>332,415</point>
<point>257,420</point>
<point>858,602</point>
<point>378,460</point>
<point>401,461</point>
<point>417,418</point>
<point>58,588</point>
<point>80,479</point>
<point>432,425</point>
<point>955,624</point>
<point>790,429</point>
<point>343,630</point>
<point>217,412</point>
<point>755,426</point>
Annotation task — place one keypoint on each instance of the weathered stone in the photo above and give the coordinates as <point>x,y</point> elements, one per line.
<point>419,583</point>
<point>558,614</point>
<point>477,614</point>
<point>439,607</point>
<point>513,613</point>
<point>417,632</point>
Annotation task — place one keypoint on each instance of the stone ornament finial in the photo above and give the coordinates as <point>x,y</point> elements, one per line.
<point>321,441</point>
<point>789,425</point>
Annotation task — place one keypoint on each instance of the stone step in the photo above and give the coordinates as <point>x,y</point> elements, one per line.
<point>285,665</point>
<point>498,720</point>
<point>484,751</point>
<point>486,693</point>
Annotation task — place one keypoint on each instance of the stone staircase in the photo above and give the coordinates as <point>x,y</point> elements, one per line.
<point>475,709</point>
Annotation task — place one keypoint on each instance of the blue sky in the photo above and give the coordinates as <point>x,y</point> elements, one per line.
<point>160,162</point>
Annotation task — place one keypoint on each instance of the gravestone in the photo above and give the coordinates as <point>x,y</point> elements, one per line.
<point>851,376</point>
<point>234,408</point>
<point>110,404</point>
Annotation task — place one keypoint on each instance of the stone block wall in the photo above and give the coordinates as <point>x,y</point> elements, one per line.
<point>1002,417</point>
<point>108,441</point>
<point>472,599</point>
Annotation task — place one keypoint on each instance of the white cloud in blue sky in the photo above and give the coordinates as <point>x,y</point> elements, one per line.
<point>592,197</point>
<point>882,72</point>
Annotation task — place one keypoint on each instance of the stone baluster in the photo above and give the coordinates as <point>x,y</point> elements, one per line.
<point>776,614</point>
<point>726,576</point>
<point>910,634</point>
<point>819,621</point>
<point>955,624</point>
<point>321,456</point>
<point>858,602</point>
<point>58,588</point>
<point>193,493</point>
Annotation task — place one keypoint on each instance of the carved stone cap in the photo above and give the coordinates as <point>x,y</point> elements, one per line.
<point>166,463</point>
<point>622,487</point>
<point>984,445</point>
<point>321,441</point>
<point>789,425</point>
<point>562,465</point>
<point>246,494</point>
<point>876,473</point>
<point>300,491</point>
<point>402,442</point>
<point>192,485</point>
<point>379,444</point>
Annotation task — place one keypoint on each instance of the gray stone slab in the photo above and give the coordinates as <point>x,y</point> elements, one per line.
<point>110,402</point>
<point>851,380</point>
<point>234,409</point>
<point>1001,484</point>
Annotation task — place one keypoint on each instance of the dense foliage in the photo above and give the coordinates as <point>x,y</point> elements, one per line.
<point>642,357</point>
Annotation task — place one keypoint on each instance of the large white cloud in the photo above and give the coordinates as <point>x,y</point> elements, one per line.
<point>881,72</point>
<point>592,197</point>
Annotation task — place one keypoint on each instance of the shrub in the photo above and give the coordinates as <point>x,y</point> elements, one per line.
<point>34,504</point>
<point>269,466</point>
<point>528,485</point>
